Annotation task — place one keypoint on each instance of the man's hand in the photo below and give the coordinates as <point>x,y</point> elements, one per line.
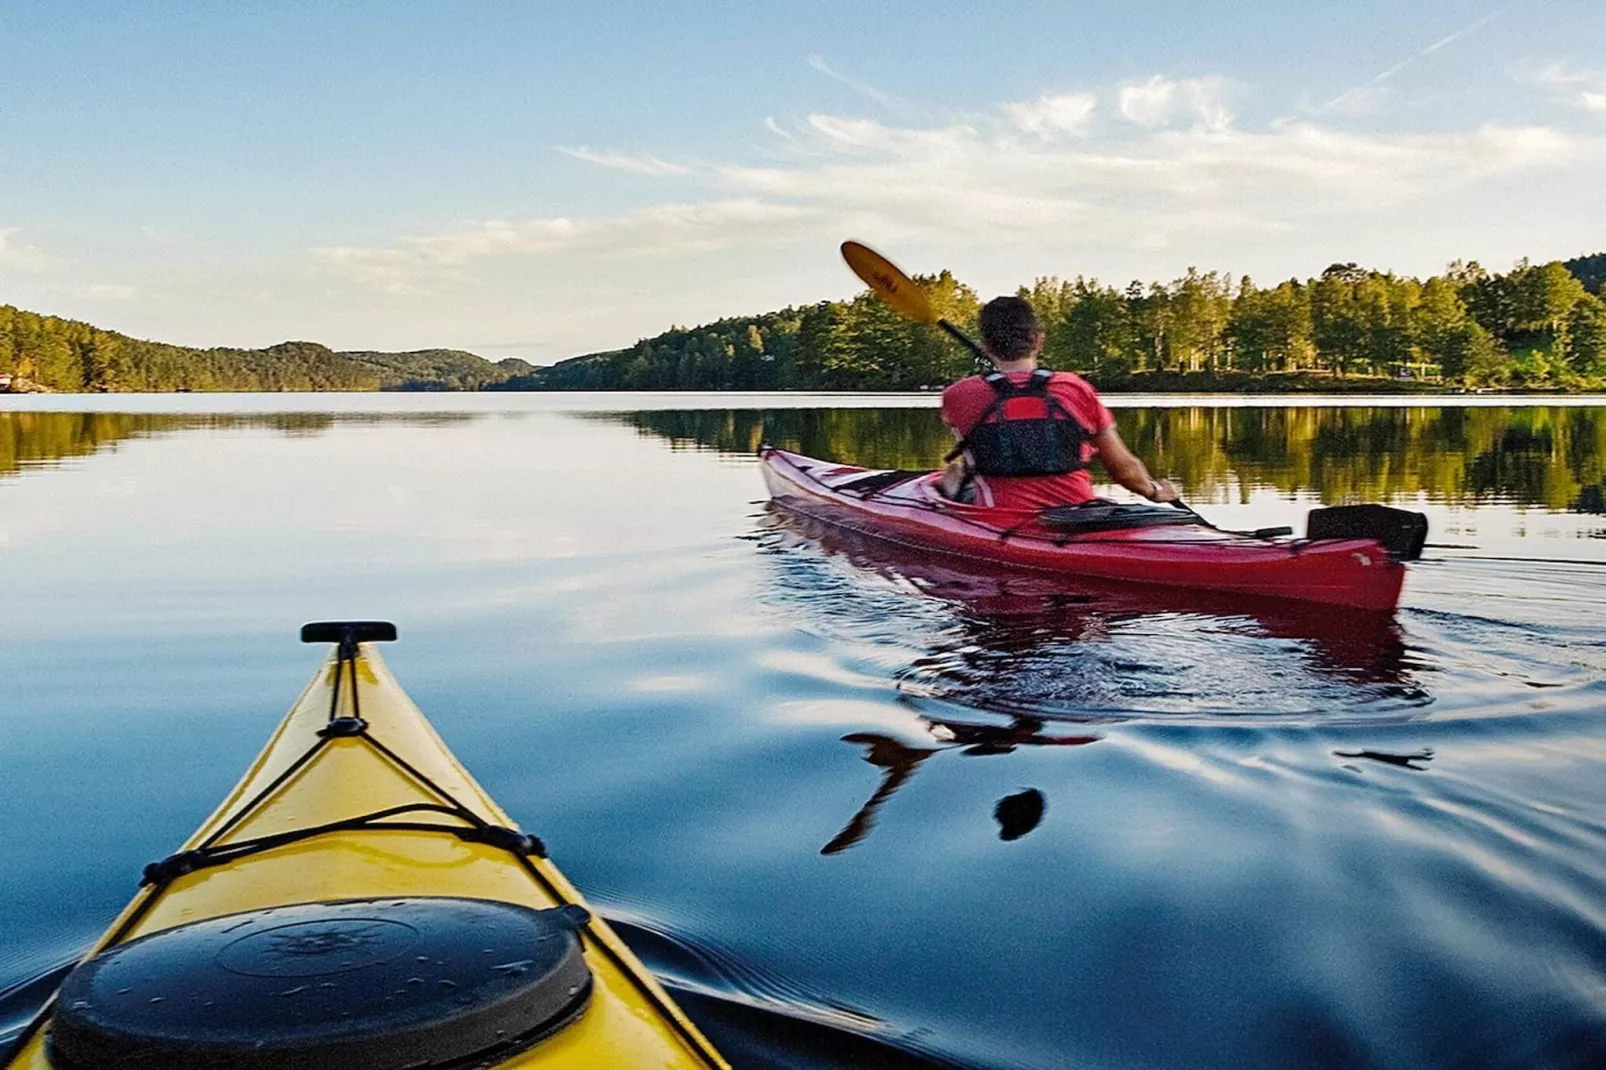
<point>1161,490</point>
<point>952,483</point>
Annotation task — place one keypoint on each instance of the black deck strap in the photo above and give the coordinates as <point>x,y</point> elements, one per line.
<point>508,839</point>
<point>500,836</point>
<point>1098,514</point>
<point>873,483</point>
<point>174,866</point>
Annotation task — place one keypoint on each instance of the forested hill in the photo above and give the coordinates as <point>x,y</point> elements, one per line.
<point>438,369</point>
<point>67,355</point>
<point>1538,326</point>
<point>1591,271</point>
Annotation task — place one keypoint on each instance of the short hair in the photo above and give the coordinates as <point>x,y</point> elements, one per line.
<point>1009,327</point>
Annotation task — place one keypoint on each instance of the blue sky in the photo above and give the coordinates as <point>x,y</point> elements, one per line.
<point>543,179</point>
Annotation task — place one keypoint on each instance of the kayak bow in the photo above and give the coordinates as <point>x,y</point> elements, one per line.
<point>359,900</point>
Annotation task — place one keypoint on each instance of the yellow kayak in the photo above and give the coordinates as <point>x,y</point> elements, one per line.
<point>358,900</point>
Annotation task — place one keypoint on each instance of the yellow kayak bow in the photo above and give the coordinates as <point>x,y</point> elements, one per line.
<point>358,900</point>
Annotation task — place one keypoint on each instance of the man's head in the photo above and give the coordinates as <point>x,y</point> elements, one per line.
<point>1009,329</point>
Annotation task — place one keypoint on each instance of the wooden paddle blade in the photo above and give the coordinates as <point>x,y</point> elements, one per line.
<point>891,285</point>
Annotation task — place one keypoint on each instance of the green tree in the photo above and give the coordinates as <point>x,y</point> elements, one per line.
<point>1586,337</point>
<point>1096,335</point>
<point>1337,324</point>
<point>1471,355</point>
<point>1149,312</point>
<point>1200,307</point>
<point>1543,296</point>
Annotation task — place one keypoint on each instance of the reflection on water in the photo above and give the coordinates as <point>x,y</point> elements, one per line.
<point>847,802</point>
<point>1404,761</point>
<point>1016,814</point>
<point>34,438</point>
<point>1082,650</point>
<point>1550,457</point>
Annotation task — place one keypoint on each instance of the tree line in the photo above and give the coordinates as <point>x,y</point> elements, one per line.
<point>1536,326</point>
<point>72,356</point>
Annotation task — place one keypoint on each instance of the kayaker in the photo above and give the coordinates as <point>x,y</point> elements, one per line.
<point>1026,434</point>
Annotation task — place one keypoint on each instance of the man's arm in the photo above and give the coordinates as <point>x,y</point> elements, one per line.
<point>1128,471</point>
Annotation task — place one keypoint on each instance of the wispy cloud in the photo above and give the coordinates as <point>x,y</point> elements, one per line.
<point>101,291</point>
<point>886,100</point>
<point>1365,97</point>
<point>775,128</point>
<point>1585,89</point>
<point>636,165</point>
<point>436,264</point>
<point>1065,113</point>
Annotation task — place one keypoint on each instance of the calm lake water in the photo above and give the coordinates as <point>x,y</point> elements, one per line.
<point>1271,838</point>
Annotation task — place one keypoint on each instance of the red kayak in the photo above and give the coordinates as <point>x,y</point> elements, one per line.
<point>1352,556</point>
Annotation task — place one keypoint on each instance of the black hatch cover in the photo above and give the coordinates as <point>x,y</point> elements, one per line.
<point>427,982</point>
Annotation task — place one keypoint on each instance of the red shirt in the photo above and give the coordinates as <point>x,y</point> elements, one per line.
<point>964,403</point>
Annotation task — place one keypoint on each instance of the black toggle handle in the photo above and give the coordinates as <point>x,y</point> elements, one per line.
<point>348,632</point>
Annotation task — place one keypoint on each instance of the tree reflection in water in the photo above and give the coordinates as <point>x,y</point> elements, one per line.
<point>29,439</point>
<point>1548,456</point>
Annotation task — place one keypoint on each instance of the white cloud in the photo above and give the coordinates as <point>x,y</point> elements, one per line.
<point>982,186</point>
<point>987,197</point>
<point>435,264</point>
<point>16,255</point>
<point>1584,89</point>
<point>638,165</point>
<point>1067,113</point>
<point>1149,103</point>
<point>1161,102</point>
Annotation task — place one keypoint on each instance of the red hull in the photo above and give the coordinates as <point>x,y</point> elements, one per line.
<point>1346,572</point>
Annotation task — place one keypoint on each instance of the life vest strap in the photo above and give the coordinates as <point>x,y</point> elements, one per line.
<point>1005,445</point>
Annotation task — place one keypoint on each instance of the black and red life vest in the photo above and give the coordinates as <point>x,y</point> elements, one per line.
<point>1025,431</point>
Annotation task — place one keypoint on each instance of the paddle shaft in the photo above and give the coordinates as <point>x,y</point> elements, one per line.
<point>963,339</point>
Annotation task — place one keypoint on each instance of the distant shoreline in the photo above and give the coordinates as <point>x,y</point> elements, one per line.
<point>1200,386</point>
<point>1199,383</point>
<point>470,403</point>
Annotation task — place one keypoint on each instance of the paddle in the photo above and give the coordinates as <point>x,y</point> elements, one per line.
<point>901,293</point>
